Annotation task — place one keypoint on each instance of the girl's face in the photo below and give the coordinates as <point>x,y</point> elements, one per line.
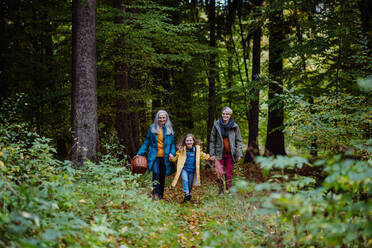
<point>189,141</point>
<point>226,116</point>
<point>162,119</point>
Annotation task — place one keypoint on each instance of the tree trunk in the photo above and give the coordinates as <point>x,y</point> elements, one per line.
<point>231,8</point>
<point>275,136</point>
<point>162,76</point>
<point>130,135</point>
<point>314,145</point>
<point>230,50</point>
<point>121,86</point>
<point>365,8</point>
<point>183,94</point>
<point>127,121</point>
<point>122,105</point>
<point>245,42</point>
<point>4,44</point>
<point>212,75</point>
<point>133,142</point>
<point>84,82</point>
<point>253,148</point>
<point>194,11</point>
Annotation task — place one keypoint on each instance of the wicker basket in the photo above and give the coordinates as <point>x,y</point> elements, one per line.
<point>139,165</point>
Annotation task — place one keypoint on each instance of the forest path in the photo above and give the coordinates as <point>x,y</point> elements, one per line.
<point>209,214</point>
<point>192,216</point>
<point>251,172</point>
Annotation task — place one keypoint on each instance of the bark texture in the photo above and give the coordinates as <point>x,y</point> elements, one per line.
<point>365,8</point>
<point>275,136</point>
<point>253,120</point>
<point>127,116</point>
<point>84,82</point>
<point>212,75</point>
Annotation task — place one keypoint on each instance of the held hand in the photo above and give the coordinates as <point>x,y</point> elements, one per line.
<point>239,158</point>
<point>212,157</point>
<point>171,157</point>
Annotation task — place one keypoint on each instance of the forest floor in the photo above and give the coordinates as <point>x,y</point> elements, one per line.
<point>212,220</point>
<point>251,172</point>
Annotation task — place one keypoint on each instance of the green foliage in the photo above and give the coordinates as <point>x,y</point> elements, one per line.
<point>335,214</point>
<point>281,162</point>
<point>46,202</point>
<point>332,122</point>
<point>36,62</point>
<point>43,199</point>
<point>161,54</point>
<point>233,223</point>
<point>365,83</point>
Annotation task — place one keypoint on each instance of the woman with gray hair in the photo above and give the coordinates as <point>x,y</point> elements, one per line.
<point>160,147</point>
<point>225,147</point>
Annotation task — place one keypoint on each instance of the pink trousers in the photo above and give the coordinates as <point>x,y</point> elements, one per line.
<point>224,167</point>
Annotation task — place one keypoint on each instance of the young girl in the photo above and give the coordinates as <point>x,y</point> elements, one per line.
<point>188,164</point>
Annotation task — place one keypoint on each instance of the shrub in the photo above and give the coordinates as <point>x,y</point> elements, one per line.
<point>335,214</point>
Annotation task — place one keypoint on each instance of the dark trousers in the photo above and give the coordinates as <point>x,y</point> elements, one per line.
<point>158,177</point>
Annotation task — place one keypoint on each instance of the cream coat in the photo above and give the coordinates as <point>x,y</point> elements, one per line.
<point>181,159</point>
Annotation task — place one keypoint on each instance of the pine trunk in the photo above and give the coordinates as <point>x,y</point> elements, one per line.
<point>365,8</point>
<point>127,121</point>
<point>84,82</point>
<point>212,75</point>
<point>230,48</point>
<point>253,148</point>
<point>275,136</point>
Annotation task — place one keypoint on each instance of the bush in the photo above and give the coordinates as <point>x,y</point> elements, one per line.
<point>335,214</point>
<point>45,202</point>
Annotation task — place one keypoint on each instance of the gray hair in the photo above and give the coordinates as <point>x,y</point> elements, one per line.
<point>227,109</point>
<point>168,124</point>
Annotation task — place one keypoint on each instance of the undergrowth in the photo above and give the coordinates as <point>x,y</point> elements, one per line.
<point>45,202</point>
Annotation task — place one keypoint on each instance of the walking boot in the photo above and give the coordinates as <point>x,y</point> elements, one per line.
<point>187,198</point>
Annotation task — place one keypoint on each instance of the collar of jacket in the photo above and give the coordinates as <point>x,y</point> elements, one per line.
<point>217,125</point>
<point>164,130</point>
<point>197,147</point>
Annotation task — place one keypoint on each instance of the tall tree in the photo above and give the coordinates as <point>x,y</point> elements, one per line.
<point>212,75</point>
<point>253,148</point>
<point>231,10</point>
<point>275,136</point>
<point>302,66</point>
<point>194,11</point>
<point>365,8</point>
<point>127,121</point>
<point>84,82</point>
<point>244,10</point>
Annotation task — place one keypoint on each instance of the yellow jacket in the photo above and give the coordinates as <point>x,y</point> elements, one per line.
<point>181,157</point>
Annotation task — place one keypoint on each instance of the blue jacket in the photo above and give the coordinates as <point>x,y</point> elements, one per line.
<point>151,145</point>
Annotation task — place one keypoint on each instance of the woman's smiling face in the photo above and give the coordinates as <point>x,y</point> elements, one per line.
<point>162,119</point>
<point>226,116</point>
